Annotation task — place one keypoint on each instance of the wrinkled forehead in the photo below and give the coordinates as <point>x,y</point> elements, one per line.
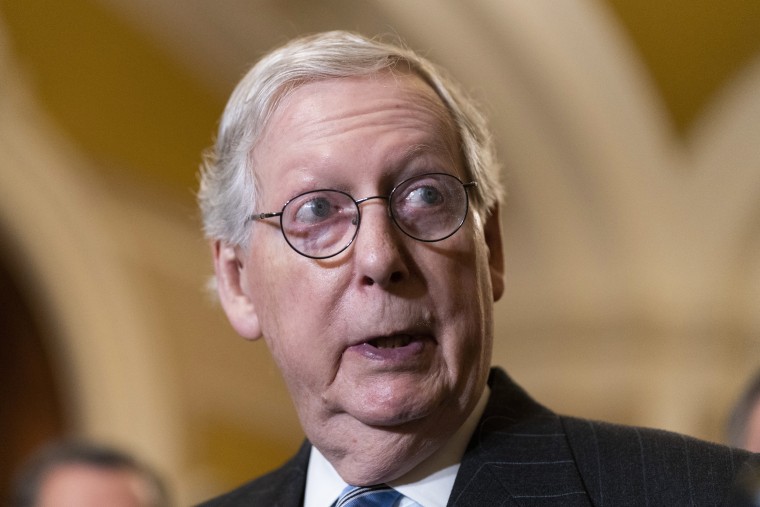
<point>309,107</point>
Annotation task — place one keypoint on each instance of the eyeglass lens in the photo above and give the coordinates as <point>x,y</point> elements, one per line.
<point>322,223</point>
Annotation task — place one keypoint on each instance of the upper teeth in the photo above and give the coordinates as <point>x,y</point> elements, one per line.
<point>391,342</point>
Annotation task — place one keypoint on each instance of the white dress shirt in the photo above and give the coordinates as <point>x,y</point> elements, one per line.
<point>429,484</point>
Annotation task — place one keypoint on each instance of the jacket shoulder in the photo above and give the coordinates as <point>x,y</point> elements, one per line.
<point>626,465</point>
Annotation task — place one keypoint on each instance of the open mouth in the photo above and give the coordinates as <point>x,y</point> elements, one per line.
<point>396,348</point>
<point>391,342</point>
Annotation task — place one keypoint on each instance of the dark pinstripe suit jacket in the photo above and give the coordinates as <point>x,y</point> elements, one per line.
<point>526,455</point>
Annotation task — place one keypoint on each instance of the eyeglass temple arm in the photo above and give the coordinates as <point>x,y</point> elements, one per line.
<point>262,216</point>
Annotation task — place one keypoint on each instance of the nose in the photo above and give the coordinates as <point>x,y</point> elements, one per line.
<point>377,253</point>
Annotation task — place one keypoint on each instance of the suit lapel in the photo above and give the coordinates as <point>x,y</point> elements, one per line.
<point>518,455</point>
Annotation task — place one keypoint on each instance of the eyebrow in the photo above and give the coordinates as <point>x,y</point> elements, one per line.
<point>439,147</point>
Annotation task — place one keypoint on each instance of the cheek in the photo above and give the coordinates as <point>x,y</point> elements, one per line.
<point>465,278</point>
<point>294,312</point>
<point>275,284</point>
<point>469,300</point>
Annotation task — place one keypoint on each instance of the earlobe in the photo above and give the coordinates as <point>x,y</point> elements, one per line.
<point>492,231</point>
<point>233,293</point>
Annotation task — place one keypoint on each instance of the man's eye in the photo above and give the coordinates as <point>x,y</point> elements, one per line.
<point>424,196</point>
<point>314,210</point>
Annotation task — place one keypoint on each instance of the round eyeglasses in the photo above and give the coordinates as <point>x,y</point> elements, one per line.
<point>322,223</point>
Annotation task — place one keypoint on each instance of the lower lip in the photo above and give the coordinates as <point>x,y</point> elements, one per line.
<point>392,355</point>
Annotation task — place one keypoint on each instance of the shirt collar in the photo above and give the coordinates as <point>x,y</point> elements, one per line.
<point>429,483</point>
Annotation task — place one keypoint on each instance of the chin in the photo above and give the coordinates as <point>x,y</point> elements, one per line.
<point>400,416</point>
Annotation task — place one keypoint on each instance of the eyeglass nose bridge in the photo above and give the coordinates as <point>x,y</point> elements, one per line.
<point>365,199</point>
<point>387,198</point>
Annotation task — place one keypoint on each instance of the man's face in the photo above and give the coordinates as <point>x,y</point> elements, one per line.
<point>393,333</point>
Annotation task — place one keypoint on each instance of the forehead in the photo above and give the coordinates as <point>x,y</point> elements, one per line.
<point>395,86</point>
<point>387,107</point>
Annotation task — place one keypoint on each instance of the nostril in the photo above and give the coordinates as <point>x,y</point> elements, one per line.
<point>395,277</point>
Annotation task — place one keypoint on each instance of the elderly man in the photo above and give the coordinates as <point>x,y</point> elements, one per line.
<point>352,200</point>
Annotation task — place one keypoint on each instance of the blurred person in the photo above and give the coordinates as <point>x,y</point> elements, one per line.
<point>744,421</point>
<point>83,474</point>
<point>352,204</point>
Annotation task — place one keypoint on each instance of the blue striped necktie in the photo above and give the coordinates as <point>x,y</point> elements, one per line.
<point>380,495</point>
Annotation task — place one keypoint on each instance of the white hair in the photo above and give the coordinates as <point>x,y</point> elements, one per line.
<point>228,190</point>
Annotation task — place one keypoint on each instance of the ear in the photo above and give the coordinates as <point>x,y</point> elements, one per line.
<point>233,292</point>
<point>492,231</point>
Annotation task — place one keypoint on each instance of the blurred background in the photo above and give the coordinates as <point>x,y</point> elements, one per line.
<point>629,132</point>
